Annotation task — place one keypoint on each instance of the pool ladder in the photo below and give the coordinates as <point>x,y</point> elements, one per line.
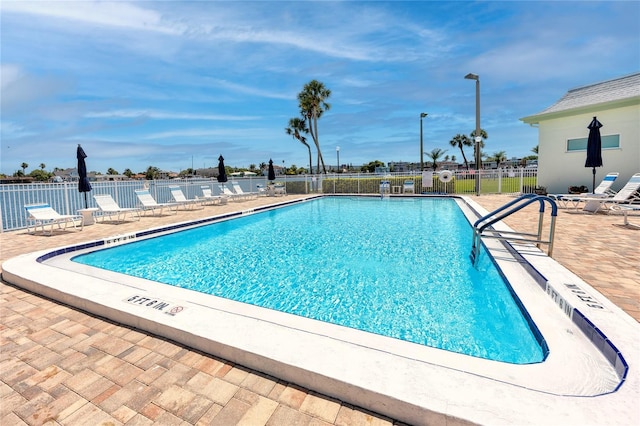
<point>482,227</point>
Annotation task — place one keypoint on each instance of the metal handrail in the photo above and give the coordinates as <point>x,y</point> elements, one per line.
<point>481,228</point>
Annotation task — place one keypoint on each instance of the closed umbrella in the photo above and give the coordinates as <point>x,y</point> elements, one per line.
<point>83,180</point>
<point>272,173</point>
<point>222,173</point>
<point>594,149</point>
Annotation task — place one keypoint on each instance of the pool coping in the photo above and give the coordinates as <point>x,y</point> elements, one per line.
<point>403,396</point>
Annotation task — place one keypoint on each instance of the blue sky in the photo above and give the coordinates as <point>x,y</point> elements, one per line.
<point>173,84</point>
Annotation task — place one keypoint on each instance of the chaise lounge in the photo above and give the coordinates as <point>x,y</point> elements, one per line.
<point>630,193</point>
<point>179,198</point>
<point>150,204</point>
<point>42,214</point>
<point>602,190</point>
<point>208,197</point>
<point>108,207</point>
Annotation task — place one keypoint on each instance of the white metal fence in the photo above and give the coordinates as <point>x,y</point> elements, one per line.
<point>65,198</point>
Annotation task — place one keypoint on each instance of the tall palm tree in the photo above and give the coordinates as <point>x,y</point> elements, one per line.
<point>460,141</point>
<point>297,126</point>
<point>42,166</point>
<point>483,135</point>
<point>435,155</point>
<point>499,157</point>
<point>312,102</point>
<point>24,166</point>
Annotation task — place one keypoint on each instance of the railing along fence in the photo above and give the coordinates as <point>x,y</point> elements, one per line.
<point>65,198</point>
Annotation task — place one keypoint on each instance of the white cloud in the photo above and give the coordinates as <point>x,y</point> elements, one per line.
<point>97,13</point>
<point>162,115</point>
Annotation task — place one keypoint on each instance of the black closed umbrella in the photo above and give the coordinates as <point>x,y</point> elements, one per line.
<point>272,173</point>
<point>594,149</point>
<point>83,180</point>
<point>222,173</point>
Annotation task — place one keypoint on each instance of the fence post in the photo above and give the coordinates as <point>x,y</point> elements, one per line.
<point>66,198</point>
<point>521,179</point>
<point>499,180</point>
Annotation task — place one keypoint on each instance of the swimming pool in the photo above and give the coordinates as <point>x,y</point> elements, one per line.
<point>398,268</point>
<point>403,380</point>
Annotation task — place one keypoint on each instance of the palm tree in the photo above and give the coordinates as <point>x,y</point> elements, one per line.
<point>297,126</point>
<point>24,166</point>
<point>499,157</point>
<point>128,173</point>
<point>42,166</point>
<point>435,155</point>
<point>312,102</point>
<point>152,172</point>
<point>483,135</point>
<point>112,171</point>
<point>460,141</point>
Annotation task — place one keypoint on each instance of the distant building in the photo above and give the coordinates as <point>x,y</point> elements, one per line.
<point>563,134</point>
<point>401,166</point>
<point>108,178</point>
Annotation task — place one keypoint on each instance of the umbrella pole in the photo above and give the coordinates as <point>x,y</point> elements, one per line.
<point>86,206</point>
<point>593,183</point>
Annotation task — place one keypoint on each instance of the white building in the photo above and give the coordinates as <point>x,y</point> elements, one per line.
<point>563,133</point>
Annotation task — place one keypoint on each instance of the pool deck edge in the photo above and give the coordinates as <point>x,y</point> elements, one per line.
<point>624,399</point>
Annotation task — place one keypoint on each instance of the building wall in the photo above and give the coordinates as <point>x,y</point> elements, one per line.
<point>558,169</point>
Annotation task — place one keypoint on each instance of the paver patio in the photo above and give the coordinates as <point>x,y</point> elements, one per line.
<point>59,365</point>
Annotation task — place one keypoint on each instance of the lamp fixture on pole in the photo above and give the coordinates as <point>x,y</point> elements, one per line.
<point>422,115</point>
<point>338,158</point>
<point>477,137</point>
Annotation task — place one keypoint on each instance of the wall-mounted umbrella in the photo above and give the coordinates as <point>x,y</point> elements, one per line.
<point>594,149</point>
<point>222,173</point>
<point>83,180</point>
<point>272,173</point>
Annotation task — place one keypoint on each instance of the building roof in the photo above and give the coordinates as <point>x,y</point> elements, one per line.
<point>617,91</point>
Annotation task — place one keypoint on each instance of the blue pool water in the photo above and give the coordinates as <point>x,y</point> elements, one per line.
<point>395,267</point>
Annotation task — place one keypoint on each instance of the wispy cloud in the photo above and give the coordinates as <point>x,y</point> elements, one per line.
<point>95,13</point>
<point>163,115</point>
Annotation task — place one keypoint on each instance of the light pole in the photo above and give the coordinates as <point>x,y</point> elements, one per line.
<point>338,158</point>
<point>477,138</point>
<point>422,115</point>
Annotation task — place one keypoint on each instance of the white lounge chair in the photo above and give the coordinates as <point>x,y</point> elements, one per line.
<point>408,187</point>
<point>150,204</point>
<point>224,190</point>
<point>42,214</point>
<point>630,193</point>
<point>602,190</point>
<point>278,189</point>
<point>262,190</point>
<point>108,207</point>
<point>208,197</point>
<point>179,198</point>
<point>238,190</point>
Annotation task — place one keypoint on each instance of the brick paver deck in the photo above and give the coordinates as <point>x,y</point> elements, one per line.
<point>59,365</point>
